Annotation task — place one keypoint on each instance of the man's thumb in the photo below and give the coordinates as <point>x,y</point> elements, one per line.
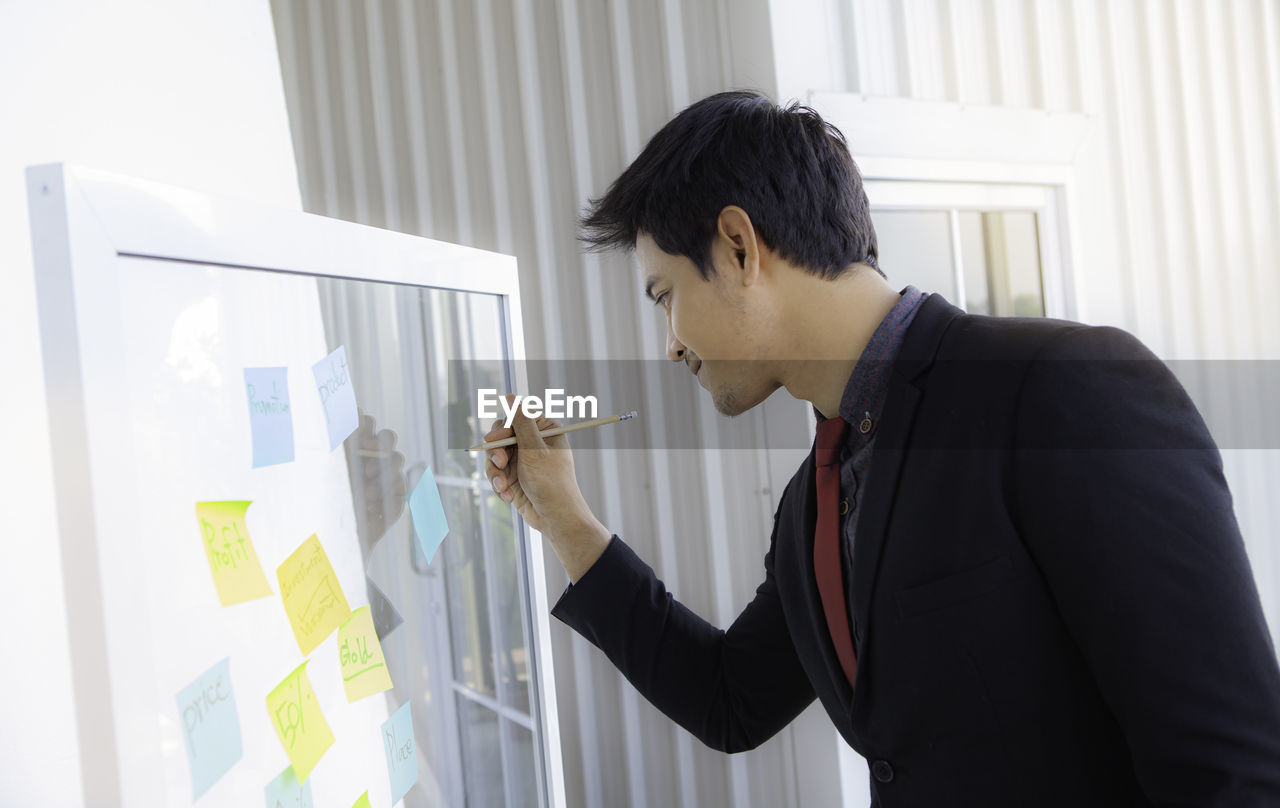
<point>527,431</point>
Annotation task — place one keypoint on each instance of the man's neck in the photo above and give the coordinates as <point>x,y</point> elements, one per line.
<point>833,323</point>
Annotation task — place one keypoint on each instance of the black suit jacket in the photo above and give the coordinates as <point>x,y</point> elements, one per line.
<point>1053,602</point>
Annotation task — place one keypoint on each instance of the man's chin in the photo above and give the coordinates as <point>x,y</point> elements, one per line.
<point>732,403</point>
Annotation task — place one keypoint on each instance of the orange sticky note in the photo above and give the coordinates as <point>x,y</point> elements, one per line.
<point>364,668</point>
<point>295,713</point>
<point>237,573</point>
<point>311,593</point>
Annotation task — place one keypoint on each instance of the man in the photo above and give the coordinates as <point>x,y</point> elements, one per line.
<point>1009,570</point>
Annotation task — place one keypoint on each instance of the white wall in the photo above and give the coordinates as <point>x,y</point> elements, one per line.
<point>185,93</point>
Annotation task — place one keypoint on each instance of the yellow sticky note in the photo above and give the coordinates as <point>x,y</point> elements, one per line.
<point>300,725</point>
<point>364,668</point>
<point>237,573</point>
<point>312,595</point>
<point>363,802</point>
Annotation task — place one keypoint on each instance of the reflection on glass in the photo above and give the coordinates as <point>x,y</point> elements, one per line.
<point>465,580</point>
<point>482,762</point>
<point>524,788</point>
<point>512,659</point>
<point>455,632</point>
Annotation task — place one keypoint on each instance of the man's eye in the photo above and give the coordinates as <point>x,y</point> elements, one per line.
<point>660,299</point>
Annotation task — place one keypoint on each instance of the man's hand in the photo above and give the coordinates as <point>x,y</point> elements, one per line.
<point>377,481</point>
<point>537,476</point>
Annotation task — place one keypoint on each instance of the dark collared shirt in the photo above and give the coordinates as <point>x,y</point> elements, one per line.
<point>862,405</point>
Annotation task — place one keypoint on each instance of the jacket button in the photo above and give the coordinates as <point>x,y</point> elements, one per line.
<point>844,507</point>
<point>882,771</point>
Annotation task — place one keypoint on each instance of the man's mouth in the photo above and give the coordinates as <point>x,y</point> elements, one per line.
<point>696,369</point>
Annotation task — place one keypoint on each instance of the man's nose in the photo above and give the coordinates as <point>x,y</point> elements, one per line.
<point>675,348</point>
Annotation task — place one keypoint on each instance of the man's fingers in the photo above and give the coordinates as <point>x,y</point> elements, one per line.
<point>497,478</point>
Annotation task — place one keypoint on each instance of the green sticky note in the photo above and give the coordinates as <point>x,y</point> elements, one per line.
<point>299,723</point>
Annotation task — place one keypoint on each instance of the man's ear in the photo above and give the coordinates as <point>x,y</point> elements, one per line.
<point>737,242</point>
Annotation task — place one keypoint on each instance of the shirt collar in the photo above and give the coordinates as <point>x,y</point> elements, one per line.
<point>864,394</point>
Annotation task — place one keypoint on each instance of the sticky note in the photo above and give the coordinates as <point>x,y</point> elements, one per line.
<point>299,723</point>
<point>363,802</point>
<point>337,395</point>
<point>286,792</point>
<point>364,669</point>
<point>311,593</point>
<point>210,726</point>
<point>237,573</point>
<point>270,419</point>
<point>427,511</point>
<point>402,757</point>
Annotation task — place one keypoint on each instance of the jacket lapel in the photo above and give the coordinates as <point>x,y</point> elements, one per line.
<point>919,347</point>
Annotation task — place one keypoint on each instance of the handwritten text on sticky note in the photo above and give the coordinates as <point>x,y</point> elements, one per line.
<point>286,792</point>
<point>210,726</point>
<point>337,395</point>
<point>402,757</point>
<point>311,593</point>
<point>364,669</point>
<point>270,418</point>
<point>295,713</point>
<point>237,573</point>
<point>427,512</point>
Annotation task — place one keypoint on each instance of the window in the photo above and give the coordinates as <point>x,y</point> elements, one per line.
<point>982,247</point>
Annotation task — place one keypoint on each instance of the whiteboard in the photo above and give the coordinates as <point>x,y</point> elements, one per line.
<point>153,301</point>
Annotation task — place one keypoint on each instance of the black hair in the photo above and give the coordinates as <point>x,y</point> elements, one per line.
<point>786,167</point>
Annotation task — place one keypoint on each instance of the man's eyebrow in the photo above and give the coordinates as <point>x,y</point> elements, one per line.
<point>649,283</point>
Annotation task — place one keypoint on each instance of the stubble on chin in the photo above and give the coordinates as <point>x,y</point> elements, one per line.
<point>726,403</point>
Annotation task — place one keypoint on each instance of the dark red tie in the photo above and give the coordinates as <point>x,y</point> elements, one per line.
<point>826,541</point>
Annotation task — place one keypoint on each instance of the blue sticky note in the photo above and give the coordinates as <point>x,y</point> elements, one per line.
<point>402,754</point>
<point>210,726</point>
<point>285,792</point>
<point>427,511</point>
<point>337,395</point>
<point>270,417</point>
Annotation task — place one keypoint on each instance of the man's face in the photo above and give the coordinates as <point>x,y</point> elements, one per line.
<point>714,327</point>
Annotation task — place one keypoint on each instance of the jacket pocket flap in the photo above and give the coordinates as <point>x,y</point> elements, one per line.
<point>960,586</point>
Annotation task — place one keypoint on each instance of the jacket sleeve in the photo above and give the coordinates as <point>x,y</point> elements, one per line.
<point>1121,499</point>
<point>732,689</point>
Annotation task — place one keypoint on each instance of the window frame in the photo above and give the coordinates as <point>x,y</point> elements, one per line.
<point>983,152</point>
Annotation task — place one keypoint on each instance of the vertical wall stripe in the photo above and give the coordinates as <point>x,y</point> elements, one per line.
<point>1179,247</point>
<point>415,114</point>
<point>320,95</point>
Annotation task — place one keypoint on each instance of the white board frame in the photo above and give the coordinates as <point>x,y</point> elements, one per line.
<point>82,221</point>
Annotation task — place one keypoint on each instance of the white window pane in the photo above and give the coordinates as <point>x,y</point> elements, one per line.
<point>915,248</point>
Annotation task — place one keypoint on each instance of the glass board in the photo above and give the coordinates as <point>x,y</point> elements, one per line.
<point>216,679</point>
